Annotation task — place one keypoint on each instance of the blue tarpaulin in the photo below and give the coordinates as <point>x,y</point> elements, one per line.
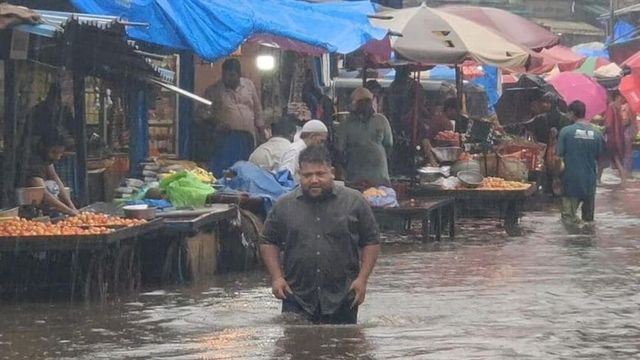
<point>216,28</point>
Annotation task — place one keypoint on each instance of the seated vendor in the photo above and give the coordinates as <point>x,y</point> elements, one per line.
<point>435,124</point>
<point>40,171</point>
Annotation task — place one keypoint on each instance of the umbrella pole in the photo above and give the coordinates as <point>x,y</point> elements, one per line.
<point>459,87</point>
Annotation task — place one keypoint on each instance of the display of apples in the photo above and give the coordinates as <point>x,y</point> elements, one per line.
<point>23,227</point>
<point>98,219</point>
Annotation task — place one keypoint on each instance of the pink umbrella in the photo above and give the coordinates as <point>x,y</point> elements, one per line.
<point>575,86</point>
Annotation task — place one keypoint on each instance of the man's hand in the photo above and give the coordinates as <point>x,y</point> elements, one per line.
<point>280,288</point>
<point>359,288</point>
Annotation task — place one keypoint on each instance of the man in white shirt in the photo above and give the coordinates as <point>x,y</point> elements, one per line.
<point>267,155</point>
<point>314,132</point>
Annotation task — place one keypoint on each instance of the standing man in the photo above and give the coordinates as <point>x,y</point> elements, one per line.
<point>268,155</point>
<point>579,145</point>
<point>452,112</point>
<point>330,242</point>
<point>314,132</point>
<point>363,142</point>
<point>237,113</point>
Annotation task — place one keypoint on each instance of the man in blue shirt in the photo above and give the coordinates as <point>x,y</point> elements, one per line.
<point>579,145</point>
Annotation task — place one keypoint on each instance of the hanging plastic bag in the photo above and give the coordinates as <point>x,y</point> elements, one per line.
<point>185,189</point>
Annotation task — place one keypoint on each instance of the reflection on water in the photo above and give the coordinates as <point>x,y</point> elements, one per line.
<point>544,295</point>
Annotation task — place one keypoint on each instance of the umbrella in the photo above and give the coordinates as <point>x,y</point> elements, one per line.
<point>633,62</point>
<point>575,86</point>
<point>432,36</point>
<point>593,63</point>
<point>514,106</point>
<point>630,88</point>
<point>561,56</point>
<point>512,27</point>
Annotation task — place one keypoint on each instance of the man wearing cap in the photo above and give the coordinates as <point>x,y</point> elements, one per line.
<point>363,142</point>
<point>314,132</point>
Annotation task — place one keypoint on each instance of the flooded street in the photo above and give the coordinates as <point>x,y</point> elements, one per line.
<point>545,295</point>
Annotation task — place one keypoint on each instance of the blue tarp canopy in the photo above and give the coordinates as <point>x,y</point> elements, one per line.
<point>216,28</point>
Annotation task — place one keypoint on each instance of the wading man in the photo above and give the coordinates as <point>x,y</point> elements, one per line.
<point>330,242</point>
<point>579,145</point>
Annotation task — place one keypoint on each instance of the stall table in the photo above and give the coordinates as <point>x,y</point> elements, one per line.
<point>97,265</point>
<point>435,214</point>
<point>506,205</point>
<point>194,242</point>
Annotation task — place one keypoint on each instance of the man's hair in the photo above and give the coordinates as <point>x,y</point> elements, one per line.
<point>371,85</point>
<point>578,109</point>
<point>53,138</point>
<point>284,127</point>
<point>232,64</point>
<point>450,103</point>
<point>316,154</point>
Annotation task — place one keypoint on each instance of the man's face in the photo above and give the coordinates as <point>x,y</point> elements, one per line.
<point>316,179</point>
<point>363,106</point>
<point>231,79</point>
<point>546,106</point>
<point>318,139</point>
<point>55,153</point>
<point>451,113</point>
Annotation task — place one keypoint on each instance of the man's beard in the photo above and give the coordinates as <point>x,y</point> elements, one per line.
<point>365,113</point>
<point>323,194</point>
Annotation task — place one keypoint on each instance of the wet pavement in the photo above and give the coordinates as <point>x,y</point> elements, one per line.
<point>544,295</point>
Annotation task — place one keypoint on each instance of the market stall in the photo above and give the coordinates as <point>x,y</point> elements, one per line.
<point>92,256</point>
<point>485,198</point>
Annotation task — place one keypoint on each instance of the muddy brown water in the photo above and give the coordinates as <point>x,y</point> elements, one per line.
<point>545,295</point>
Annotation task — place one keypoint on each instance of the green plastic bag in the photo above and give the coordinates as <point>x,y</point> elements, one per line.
<point>185,189</point>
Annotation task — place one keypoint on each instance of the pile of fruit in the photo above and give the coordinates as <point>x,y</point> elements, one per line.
<point>373,192</point>
<point>495,183</point>
<point>98,219</point>
<point>23,227</point>
<point>448,137</point>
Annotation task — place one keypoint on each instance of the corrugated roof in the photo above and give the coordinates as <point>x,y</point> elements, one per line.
<point>54,22</point>
<point>623,11</point>
<point>569,27</point>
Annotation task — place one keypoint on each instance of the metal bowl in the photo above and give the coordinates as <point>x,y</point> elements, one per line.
<point>30,195</point>
<point>470,179</point>
<point>142,212</point>
<point>447,154</point>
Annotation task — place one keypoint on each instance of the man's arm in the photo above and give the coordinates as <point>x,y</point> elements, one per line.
<point>51,200</point>
<point>270,252</point>
<point>257,111</point>
<point>64,195</point>
<point>387,141</point>
<point>370,246</point>
<point>562,148</point>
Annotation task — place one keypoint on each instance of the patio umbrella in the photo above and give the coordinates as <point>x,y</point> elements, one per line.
<point>633,62</point>
<point>514,106</point>
<point>575,86</point>
<point>432,36</point>
<point>561,56</point>
<point>512,27</point>
<point>593,63</point>
<point>630,88</point>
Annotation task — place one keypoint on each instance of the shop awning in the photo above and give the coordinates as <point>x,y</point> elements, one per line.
<point>216,28</point>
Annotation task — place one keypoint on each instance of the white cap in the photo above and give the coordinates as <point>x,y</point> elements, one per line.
<point>314,126</point>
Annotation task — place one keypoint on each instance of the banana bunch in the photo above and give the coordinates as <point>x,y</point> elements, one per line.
<point>202,174</point>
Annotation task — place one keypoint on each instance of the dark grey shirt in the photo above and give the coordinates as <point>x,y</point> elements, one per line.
<point>321,241</point>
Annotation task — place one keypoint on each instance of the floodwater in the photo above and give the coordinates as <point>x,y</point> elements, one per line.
<point>545,295</point>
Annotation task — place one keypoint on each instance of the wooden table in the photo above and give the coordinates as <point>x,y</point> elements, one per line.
<point>436,215</point>
<point>506,205</point>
